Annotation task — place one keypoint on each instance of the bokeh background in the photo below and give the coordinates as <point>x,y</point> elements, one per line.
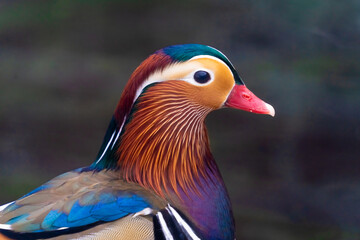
<point>63,65</point>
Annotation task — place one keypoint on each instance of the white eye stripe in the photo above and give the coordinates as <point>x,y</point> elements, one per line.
<point>213,58</point>
<point>171,70</point>
<point>157,76</point>
<point>216,59</point>
<point>207,56</point>
<point>160,76</point>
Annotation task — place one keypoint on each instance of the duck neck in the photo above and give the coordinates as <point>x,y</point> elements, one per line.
<point>164,147</point>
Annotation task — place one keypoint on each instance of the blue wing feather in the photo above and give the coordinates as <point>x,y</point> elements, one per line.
<point>81,215</point>
<point>18,219</point>
<point>49,220</point>
<point>93,204</point>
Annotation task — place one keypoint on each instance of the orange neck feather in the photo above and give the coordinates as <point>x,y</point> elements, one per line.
<point>164,145</point>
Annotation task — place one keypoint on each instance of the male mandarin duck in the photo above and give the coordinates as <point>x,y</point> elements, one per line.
<point>154,176</point>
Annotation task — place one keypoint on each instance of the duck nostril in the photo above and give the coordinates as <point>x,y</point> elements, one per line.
<point>246,96</point>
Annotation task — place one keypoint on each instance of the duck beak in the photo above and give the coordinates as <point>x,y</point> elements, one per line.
<point>242,98</point>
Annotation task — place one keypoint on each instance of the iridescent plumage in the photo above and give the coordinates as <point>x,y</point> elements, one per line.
<point>154,169</point>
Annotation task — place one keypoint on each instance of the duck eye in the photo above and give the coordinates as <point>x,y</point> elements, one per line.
<point>201,76</point>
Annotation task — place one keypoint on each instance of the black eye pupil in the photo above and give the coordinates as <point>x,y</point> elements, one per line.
<point>202,76</point>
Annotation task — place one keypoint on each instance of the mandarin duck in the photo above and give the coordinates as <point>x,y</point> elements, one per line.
<point>154,176</point>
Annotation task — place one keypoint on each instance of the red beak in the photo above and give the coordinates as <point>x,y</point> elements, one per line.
<point>242,98</point>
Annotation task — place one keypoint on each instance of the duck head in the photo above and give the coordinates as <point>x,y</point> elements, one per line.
<point>207,75</point>
<point>157,137</point>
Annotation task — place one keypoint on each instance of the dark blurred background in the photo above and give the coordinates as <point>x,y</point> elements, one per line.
<point>63,65</point>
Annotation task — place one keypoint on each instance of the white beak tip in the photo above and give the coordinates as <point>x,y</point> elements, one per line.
<point>271,109</point>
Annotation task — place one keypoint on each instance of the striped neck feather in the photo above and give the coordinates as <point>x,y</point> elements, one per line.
<point>106,157</point>
<point>164,145</point>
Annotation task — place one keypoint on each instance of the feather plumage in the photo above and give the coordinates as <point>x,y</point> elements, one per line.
<point>154,176</point>
<point>76,199</point>
<point>152,151</point>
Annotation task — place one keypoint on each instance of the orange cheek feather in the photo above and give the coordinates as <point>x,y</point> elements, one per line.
<point>214,94</point>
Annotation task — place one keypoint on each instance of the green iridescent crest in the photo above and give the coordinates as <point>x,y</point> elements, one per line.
<point>185,52</point>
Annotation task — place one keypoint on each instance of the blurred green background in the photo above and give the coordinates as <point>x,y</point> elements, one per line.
<point>63,65</point>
